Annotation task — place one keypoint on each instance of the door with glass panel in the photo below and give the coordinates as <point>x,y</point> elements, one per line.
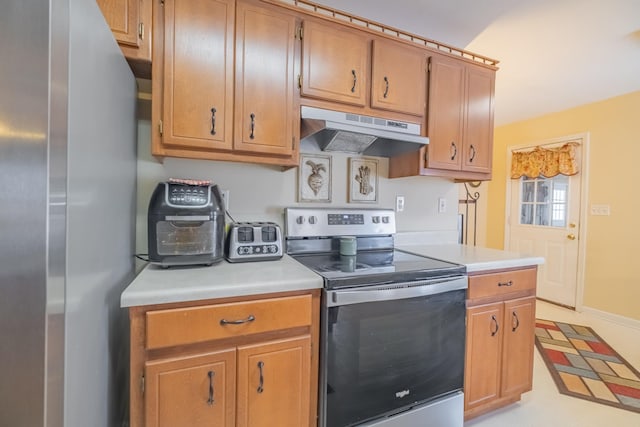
<point>544,221</point>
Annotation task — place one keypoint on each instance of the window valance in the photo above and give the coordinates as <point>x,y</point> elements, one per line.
<point>547,162</point>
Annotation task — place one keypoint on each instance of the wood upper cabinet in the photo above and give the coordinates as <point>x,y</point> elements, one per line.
<point>191,391</point>
<point>460,115</point>
<point>130,23</point>
<point>398,78</point>
<point>273,383</point>
<point>500,339</point>
<point>224,82</point>
<point>334,64</point>
<point>198,74</point>
<point>265,116</point>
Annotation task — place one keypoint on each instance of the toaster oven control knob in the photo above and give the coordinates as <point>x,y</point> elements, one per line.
<point>385,219</point>
<point>312,219</point>
<point>300,220</point>
<point>376,219</point>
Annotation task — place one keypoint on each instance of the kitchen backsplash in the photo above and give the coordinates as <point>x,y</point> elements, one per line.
<point>260,193</point>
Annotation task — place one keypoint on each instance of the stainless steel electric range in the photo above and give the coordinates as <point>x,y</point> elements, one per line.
<point>392,322</point>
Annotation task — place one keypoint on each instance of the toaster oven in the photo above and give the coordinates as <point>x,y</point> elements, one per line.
<point>253,241</point>
<point>185,224</point>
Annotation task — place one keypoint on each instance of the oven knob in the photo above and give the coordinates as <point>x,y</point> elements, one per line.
<point>385,219</point>
<point>300,220</point>
<point>312,219</point>
<point>376,219</point>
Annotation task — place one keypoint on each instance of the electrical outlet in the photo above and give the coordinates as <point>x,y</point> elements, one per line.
<point>225,198</point>
<point>600,210</point>
<point>399,203</point>
<point>442,205</point>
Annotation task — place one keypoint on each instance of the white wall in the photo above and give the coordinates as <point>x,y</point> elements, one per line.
<point>260,193</point>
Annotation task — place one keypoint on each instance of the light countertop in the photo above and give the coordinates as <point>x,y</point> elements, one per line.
<point>475,258</point>
<point>156,285</point>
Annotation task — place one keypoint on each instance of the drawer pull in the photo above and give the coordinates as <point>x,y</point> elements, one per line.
<point>213,121</point>
<point>211,375</point>
<point>515,317</point>
<point>251,318</point>
<point>509,283</point>
<point>355,81</point>
<point>495,322</point>
<point>260,386</point>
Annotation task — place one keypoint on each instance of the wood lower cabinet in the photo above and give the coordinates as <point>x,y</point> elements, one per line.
<point>130,23</point>
<point>224,82</point>
<point>273,383</point>
<point>246,362</point>
<point>500,339</point>
<point>191,391</point>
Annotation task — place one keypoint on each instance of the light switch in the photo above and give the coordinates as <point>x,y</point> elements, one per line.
<point>603,210</point>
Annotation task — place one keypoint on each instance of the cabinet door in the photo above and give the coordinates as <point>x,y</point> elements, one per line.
<point>517,354</point>
<point>398,78</point>
<point>483,353</point>
<point>478,135</point>
<point>334,64</point>
<point>198,73</point>
<point>264,111</point>
<point>191,391</point>
<point>445,113</point>
<point>123,17</point>
<point>273,383</point>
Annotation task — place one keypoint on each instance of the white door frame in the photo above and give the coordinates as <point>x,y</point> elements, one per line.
<point>584,190</point>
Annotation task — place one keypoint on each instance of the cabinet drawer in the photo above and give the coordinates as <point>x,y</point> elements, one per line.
<point>496,284</point>
<point>188,325</point>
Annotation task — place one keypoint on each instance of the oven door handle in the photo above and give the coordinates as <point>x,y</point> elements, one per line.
<point>395,291</point>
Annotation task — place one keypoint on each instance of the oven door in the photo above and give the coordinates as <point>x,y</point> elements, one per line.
<point>389,348</point>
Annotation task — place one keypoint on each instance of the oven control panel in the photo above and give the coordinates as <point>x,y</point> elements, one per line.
<point>319,222</point>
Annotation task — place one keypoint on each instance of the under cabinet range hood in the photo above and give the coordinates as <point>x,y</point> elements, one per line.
<point>328,130</point>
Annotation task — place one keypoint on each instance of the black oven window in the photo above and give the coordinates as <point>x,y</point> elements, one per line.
<point>384,357</point>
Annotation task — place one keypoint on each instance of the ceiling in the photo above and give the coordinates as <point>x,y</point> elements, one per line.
<point>554,54</point>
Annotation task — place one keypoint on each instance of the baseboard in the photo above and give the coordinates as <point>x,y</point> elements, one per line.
<point>611,317</point>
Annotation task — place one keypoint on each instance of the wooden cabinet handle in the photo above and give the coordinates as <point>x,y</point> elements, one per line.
<point>386,88</point>
<point>509,283</point>
<point>211,374</point>
<point>355,81</point>
<point>514,316</point>
<point>261,385</point>
<point>213,121</point>
<point>495,322</point>
<point>251,318</point>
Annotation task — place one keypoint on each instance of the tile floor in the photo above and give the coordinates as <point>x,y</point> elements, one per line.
<point>544,406</point>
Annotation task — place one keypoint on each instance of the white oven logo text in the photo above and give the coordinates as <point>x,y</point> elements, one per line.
<point>403,393</point>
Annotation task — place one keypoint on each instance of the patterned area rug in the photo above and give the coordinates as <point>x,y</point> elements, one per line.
<point>583,365</point>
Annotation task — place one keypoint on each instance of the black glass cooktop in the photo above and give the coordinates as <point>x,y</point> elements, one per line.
<point>376,267</point>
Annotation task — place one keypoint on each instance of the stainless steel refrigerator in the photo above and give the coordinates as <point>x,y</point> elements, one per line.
<point>67,199</point>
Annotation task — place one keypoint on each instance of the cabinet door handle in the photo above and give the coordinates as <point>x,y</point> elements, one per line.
<point>213,121</point>
<point>386,88</point>
<point>355,80</point>
<point>472,153</point>
<point>514,316</point>
<point>453,149</point>
<point>261,385</point>
<point>495,322</point>
<point>253,125</point>
<point>211,375</point>
<point>251,318</point>
<point>509,283</point>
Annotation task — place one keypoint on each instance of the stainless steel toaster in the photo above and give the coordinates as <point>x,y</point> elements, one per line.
<point>253,241</point>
